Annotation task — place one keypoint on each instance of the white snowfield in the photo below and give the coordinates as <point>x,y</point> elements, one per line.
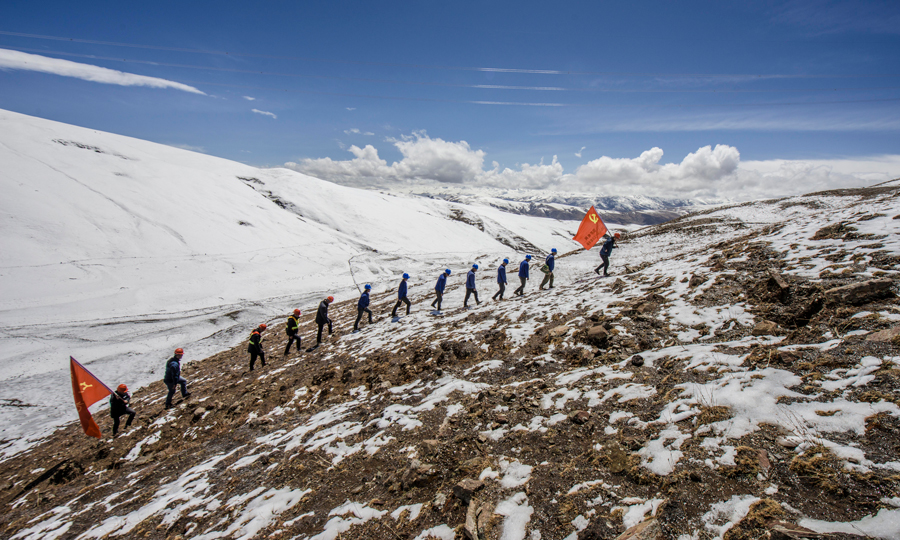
<point>116,251</point>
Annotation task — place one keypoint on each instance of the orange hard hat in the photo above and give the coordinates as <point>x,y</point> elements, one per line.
<point>262,326</point>
<point>296,312</point>
<point>179,350</point>
<point>617,235</point>
<point>330,299</point>
<point>122,388</point>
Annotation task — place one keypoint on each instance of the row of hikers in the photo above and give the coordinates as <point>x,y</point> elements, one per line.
<point>119,403</point>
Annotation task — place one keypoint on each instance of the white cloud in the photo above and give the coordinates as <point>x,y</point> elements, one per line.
<point>248,98</point>
<point>264,113</point>
<point>33,62</point>
<point>713,172</point>
<point>578,153</point>
<point>351,108</point>
<point>356,131</point>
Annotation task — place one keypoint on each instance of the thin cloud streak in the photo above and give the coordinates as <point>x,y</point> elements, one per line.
<point>17,60</point>
<point>264,113</point>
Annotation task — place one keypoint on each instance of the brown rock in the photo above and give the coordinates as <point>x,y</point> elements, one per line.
<point>765,328</point>
<point>466,488</point>
<point>887,335</point>
<point>597,334</point>
<point>637,360</point>
<point>580,417</point>
<point>502,419</point>
<point>858,293</point>
<point>431,446</point>
<point>696,281</point>
<point>645,530</point>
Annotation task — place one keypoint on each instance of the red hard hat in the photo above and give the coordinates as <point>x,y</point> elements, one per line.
<point>179,350</point>
<point>296,312</point>
<point>617,235</point>
<point>330,299</point>
<point>262,326</point>
<point>122,388</point>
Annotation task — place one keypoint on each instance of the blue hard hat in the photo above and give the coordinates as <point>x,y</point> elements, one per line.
<point>505,261</point>
<point>405,276</point>
<point>475,266</point>
<point>368,286</point>
<point>447,271</point>
<point>527,257</point>
<point>553,250</point>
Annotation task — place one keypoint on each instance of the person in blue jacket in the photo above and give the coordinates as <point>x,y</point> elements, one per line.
<point>523,276</point>
<point>439,290</point>
<point>401,297</point>
<point>605,251</point>
<point>470,286</point>
<point>173,377</point>
<point>550,262</point>
<point>363,307</point>
<point>501,280</point>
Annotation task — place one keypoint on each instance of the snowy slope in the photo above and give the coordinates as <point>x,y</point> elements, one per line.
<point>116,251</point>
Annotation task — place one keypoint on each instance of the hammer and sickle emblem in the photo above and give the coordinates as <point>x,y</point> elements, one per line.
<point>593,218</point>
<point>84,386</point>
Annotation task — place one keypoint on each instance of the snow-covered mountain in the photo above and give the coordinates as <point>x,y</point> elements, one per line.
<point>116,250</point>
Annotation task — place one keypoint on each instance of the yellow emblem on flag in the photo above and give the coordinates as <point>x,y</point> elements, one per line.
<point>594,218</point>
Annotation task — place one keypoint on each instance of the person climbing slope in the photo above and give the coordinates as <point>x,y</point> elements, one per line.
<point>523,276</point>
<point>173,377</point>
<point>363,307</point>
<point>549,264</point>
<point>401,296</point>
<point>470,287</point>
<point>439,290</point>
<point>255,346</point>
<point>321,320</point>
<point>501,280</point>
<point>605,251</point>
<point>293,326</point>
<point>118,406</point>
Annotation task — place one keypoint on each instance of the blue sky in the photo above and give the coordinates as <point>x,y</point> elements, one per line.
<point>808,81</point>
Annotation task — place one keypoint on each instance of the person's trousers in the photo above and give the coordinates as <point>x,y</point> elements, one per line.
<point>437,301</point>
<point>262,358</point>
<point>130,412</point>
<point>319,334</point>
<point>500,292</point>
<point>521,289</point>
<point>359,314</point>
<point>400,301</point>
<point>172,386</point>
<point>291,340</point>
<point>547,277</point>
<point>470,292</point>
<point>605,265</point>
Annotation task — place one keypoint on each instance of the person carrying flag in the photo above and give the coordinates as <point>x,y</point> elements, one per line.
<point>470,287</point>
<point>321,320</point>
<point>293,326</point>
<point>118,406</point>
<point>439,290</point>
<point>523,276</point>
<point>363,307</point>
<point>605,251</point>
<point>173,377</point>
<point>401,297</point>
<point>255,346</point>
<point>549,263</point>
<point>501,280</point>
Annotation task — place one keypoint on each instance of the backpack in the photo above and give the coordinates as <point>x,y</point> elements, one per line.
<point>545,269</point>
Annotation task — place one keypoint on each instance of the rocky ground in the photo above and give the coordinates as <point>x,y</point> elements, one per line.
<point>738,376</point>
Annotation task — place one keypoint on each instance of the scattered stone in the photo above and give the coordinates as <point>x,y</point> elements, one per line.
<point>431,446</point>
<point>858,293</point>
<point>887,335</point>
<point>466,488</point>
<point>598,334</point>
<point>501,419</point>
<point>637,360</point>
<point>439,501</point>
<point>580,417</point>
<point>697,280</point>
<point>559,331</point>
<point>782,530</point>
<point>765,328</point>
<point>198,412</point>
<point>616,459</point>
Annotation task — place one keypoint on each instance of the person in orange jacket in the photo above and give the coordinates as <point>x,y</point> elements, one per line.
<point>118,406</point>
<point>255,347</point>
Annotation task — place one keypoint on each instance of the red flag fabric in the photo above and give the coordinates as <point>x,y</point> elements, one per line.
<point>88,390</point>
<point>591,229</point>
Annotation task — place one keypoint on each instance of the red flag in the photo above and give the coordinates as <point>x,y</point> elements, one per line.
<point>591,229</point>
<point>88,390</point>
